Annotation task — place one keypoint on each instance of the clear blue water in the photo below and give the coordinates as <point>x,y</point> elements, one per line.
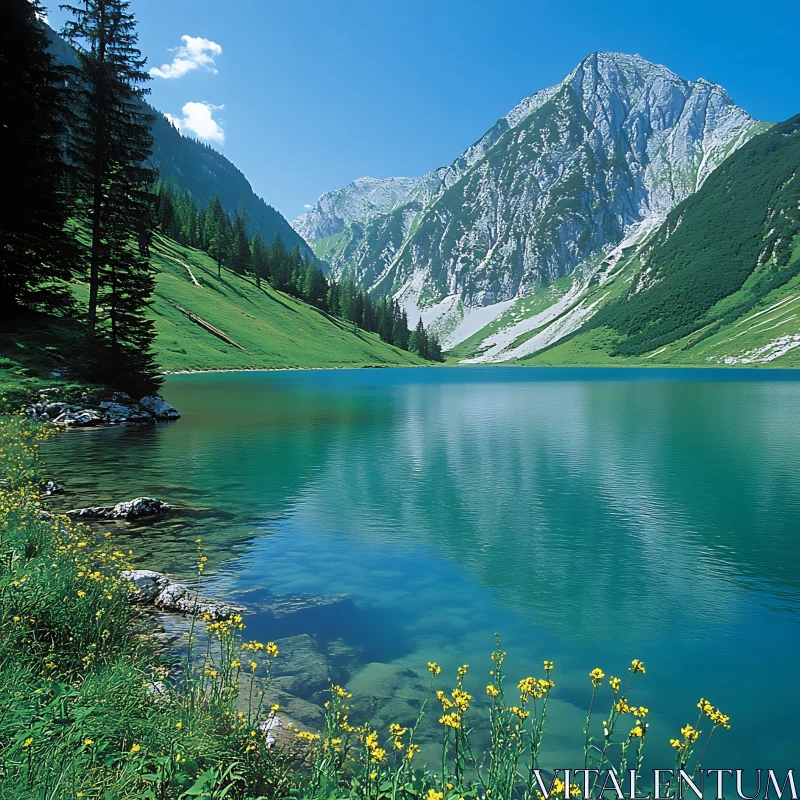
<point>588,516</point>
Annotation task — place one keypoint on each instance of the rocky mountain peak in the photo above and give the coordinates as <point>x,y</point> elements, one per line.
<point>564,177</point>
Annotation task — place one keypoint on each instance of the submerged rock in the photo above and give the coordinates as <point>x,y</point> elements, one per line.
<point>301,669</point>
<point>128,510</point>
<point>292,603</point>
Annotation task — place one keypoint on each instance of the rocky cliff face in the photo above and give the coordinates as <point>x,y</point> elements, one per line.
<point>360,200</point>
<point>566,176</point>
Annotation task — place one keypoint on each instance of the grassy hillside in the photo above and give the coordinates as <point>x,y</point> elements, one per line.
<point>271,328</point>
<point>268,329</point>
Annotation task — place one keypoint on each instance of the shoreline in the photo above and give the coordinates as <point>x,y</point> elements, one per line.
<point>715,367</point>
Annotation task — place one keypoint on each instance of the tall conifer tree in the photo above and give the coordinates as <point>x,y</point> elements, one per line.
<point>36,252</point>
<point>111,145</point>
<point>241,247</point>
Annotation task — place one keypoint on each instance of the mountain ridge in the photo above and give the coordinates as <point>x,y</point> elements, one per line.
<point>568,173</point>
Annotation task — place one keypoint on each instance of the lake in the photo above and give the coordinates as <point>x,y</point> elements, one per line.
<point>589,516</point>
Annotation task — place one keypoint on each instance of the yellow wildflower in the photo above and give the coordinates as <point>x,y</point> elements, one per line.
<point>377,755</point>
<point>690,734</point>
<point>597,675</point>
<point>451,720</point>
<point>434,668</point>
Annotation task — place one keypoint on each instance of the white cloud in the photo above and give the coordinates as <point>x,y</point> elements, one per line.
<point>308,205</point>
<point>198,119</point>
<point>194,53</point>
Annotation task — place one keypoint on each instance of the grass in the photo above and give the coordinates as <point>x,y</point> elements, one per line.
<point>276,330</point>
<point>91,707</point>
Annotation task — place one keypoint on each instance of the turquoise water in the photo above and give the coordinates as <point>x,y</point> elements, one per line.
<point>588,516</point>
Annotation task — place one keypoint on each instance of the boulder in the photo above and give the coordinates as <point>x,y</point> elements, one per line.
<point>116,412</point>
<point>128,510</point>
<point>159,407</point>
<point>49,488</point>
<point>270,725</point>
<point>156,689</point>
<point>157,589</point>
<point>147,584</point>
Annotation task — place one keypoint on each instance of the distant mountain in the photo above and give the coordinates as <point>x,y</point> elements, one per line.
<point>190,165</point>
<point>363,198</point>
<point>548,191</point>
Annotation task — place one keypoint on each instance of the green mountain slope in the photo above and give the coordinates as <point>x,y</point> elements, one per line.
<point>718,282</point>
<point>270,328</point>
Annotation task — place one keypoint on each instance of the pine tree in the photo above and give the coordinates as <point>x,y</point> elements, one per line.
<point>110,147</point>
<point>240,247</point>
<point>418,343</point>
<point>434,348</point>
<point>259,260</point>
<point>401,332</point>
<point>217,233</point>
<point>315,286</point>
<point>36,252</point>
<point>280,264</point>
<point>334,299</point>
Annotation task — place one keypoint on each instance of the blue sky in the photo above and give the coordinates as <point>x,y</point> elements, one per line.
<point>311,94</point>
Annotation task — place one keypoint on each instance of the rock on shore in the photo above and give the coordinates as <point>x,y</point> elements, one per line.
<point>128,510</point>
<point>89,411</point>
<point>156,589</point>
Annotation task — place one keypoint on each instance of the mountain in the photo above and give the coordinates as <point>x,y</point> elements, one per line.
<point>363,198</point>
<point>549,191</point>
<point>187,164</point>
<point>717,283</point>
